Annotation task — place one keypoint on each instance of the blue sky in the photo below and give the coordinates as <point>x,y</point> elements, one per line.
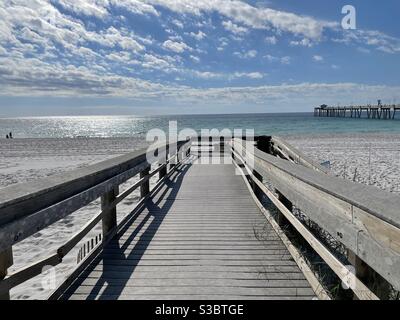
<point>184,56</point>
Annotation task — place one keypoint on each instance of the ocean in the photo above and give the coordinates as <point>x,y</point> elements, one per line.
<point>128,126</point>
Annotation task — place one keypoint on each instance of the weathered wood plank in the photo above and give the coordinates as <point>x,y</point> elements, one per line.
<point>200,282</point>
<point>178,245</point>
<point>110,290</point>
<point>204,275</point>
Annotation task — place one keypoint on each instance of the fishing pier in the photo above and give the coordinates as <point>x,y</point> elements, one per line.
<point>385,112</point>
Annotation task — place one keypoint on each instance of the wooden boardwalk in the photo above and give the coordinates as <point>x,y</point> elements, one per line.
<point>201,236</point>
<point>201,231</point>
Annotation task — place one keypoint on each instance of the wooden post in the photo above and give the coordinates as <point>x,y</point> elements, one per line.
<point>369,277</point>
<point>258,192</point>
<point>109,220</point>
<point>199,146</point>
<point>264,144</point>
<point>222,146</point>
<point>6,261</point>
<point>281,219</point>
<point>145,187</point>
<point>224,158</point>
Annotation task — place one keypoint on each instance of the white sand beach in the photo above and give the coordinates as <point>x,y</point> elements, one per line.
<point>368,158</point>
<point>375,156</point>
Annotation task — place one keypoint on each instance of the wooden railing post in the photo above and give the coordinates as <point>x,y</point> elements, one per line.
<point>281,219</point>
<point>369,276</point>
<point>199,146</point>
<point>222,148</point>
<point>6,261</point>
<point>257,191</point>
<point>109,221</point>
<point>145,187</point>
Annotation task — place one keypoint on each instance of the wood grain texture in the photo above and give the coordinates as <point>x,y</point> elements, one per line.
<point>201,236</point>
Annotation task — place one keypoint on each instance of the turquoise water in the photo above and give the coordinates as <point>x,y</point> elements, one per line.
<point>126,126</point>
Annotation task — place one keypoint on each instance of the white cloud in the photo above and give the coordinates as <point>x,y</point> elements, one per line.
<point>251,75</point>
<point>195,58</point>
<point>114,37</point>
<point>199,35</point>
<point>207,74</point>
<point>282,60</point>
<point>223,42</point>
<point>303,42</point>
<point>100,8</point>
<point>250,16</point>
<point>234,28</point>
<point>251,54</point>
<point>134,6</point>
<point>178,23</point>
<point>19,78</point>
<point>285,60</point>
<point>176,38</point>
<point>86,7</point>
<point>271,40</point>
<point>83,58</point>
<point>246,55</point>
<point>375,39</point>
<point>177,47</point>
<point>318,58</point>
<point>121,57</point>
<point>153,62</point>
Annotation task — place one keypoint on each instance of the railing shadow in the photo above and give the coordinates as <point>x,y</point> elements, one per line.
<point>148,218</point>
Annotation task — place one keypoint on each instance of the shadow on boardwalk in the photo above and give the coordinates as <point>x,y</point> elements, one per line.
<point>148,225</point>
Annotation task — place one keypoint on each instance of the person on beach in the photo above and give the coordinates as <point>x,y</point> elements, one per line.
<point>7,137</point>
<point>10,135</point>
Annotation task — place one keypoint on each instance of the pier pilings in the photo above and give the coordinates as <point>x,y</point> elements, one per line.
<point>384,112</point>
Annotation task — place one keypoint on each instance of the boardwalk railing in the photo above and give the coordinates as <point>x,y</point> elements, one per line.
<point>30,207</point>
<point>364,219</point>
<point>286,151</point>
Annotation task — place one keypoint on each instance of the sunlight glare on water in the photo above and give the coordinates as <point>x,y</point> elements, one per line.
<point>129,126</point>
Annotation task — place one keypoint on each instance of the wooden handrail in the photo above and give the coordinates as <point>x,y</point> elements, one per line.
<point>364,219</point>
<point>292,153</point>
<point>16,226</point>
<point>360,290</point>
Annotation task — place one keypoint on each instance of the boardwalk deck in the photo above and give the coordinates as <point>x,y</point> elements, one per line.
<point>200,236</point>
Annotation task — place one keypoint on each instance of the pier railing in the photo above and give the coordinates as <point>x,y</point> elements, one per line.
<point>30,207</point>
<point>364,219</point>
<point>381,111</point>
